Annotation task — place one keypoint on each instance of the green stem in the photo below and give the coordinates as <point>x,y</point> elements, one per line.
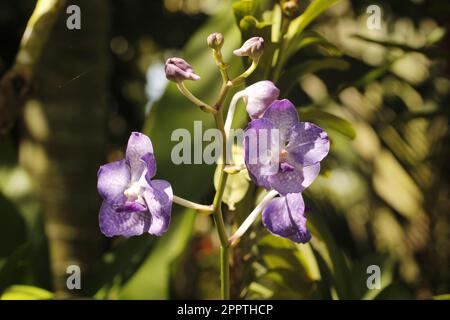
<point>217,203</point>
<point>203,105</point>
<point>241,78</point>
<point>218,58</point>
<point>225,272</point>
<point>218,217</point>
<point>222,95</point>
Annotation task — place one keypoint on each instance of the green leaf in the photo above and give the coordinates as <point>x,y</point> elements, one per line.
<point>395,291</point>
<point>297,26</point>
<point>277,18</point>
<point>283,269</point>
<point>244,8</point>
<point>22,292</point>
<point>118,266</point>
<point>12,227</point>
<point>369,76</point>
<point>251,27</point>
<point>10,265</point>
<point>429,51</point>
<point>442,297</point>
<point>327,121</point>
<point>326,277</point>
<point>341,273</point>
<point>289,78</point>
<point>309,38</point>
<point>151,281</point>
<point>308,260</point>
<point>237,184</point>
<point>252,8</point>
<point>312,12</point>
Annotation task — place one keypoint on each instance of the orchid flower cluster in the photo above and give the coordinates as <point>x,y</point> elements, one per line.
<point>285,164</point>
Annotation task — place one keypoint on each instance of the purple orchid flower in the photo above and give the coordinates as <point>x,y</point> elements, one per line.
<point>285,217</point>
<point>290,161</point>
<point>133,203</point>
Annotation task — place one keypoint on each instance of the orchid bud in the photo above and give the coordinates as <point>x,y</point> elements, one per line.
<point>178,70</point>
<point>290,7</point>
<point>252,48</point>
<point>259,96</point>
<point>215,40</point>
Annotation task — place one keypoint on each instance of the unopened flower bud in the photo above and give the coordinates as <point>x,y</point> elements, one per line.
<point>259,96</point>
<point>252,48</point>
<point>215,40</point>
<point>290,7</point>
<point>178,70</point>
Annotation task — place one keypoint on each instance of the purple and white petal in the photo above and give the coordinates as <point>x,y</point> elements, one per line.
<point>285,217</point>
<point>310,173</point>
<point>150,165</point>
<point>291,179</point>
<point>113,179</point>
<point>139,145</point>
<point>308,144</point>
<point>125,223</point>
<point>287,181</point>
<point>159,199</point>
<point>283,116</point>
<point>259,151</point>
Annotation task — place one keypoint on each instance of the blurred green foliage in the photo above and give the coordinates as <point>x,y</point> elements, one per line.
<point>382,198</point>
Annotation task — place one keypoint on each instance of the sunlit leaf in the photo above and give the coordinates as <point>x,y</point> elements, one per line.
<point>244,8</point>
<point>251,27</point>
<point>308,260</point>
<point>22,292</point>
<point>327,121</point>
<point>442,297</point>
<point>252,8</point>
<point>312,12</point>
<point>288,270</point>
<point>311,37</point>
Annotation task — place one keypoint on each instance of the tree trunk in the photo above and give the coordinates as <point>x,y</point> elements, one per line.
<point>64,136</point>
